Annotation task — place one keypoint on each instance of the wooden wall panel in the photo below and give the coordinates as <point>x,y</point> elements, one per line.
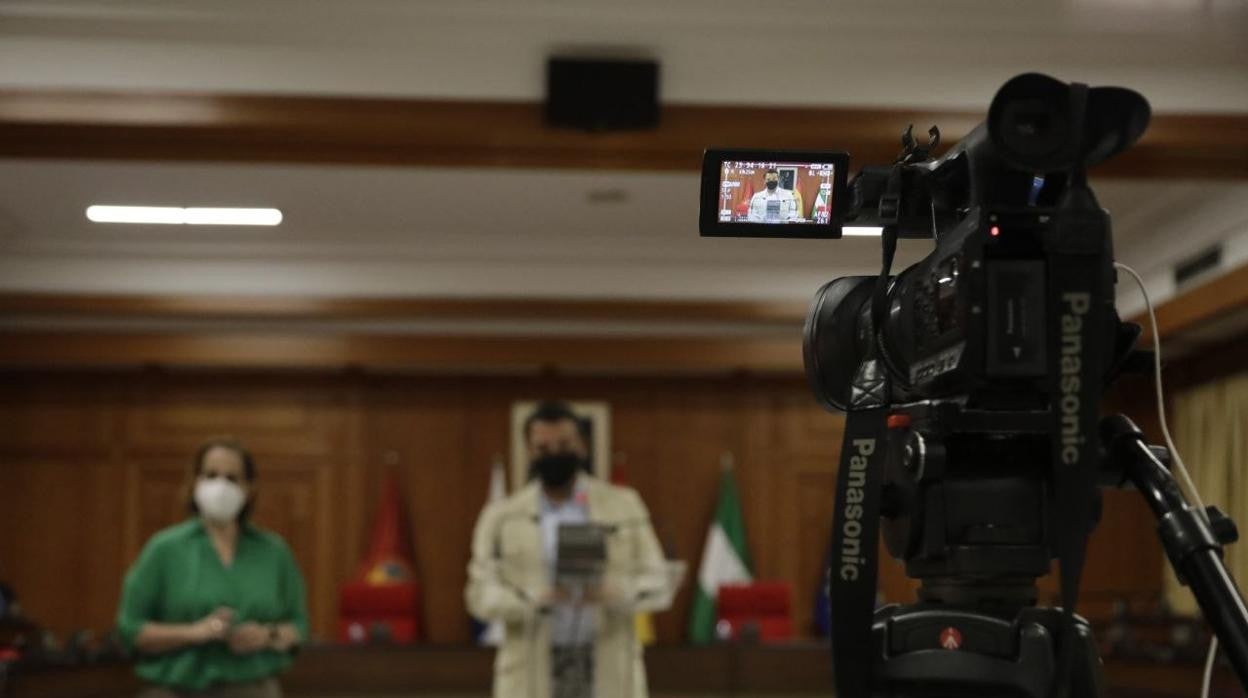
<point>288,128</point>
<point>173,413</point>
<point>816,491</point>
<point>294,500</point>
<point>686,457</point>
<point>156,499</point>
<point>295,428</point>
<point>61,547</point>
<point>1123,564</point>
<point>325,441</point>
<point>1121,552</point>
<point>55,416</point>
<point>422,436</point>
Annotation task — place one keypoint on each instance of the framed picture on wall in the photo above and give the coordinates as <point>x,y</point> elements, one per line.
<point>595,424</point>
<point>788,177</point>
<point>788,180</point>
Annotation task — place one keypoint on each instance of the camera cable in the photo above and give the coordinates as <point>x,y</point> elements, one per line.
<point>1184,475</point>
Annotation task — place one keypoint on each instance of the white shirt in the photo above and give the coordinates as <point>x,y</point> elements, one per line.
<point>773,206</point>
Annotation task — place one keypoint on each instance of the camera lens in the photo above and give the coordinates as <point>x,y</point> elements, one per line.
<point>832,344</point>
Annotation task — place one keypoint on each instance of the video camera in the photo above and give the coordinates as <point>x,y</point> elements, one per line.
<point>971,384</point>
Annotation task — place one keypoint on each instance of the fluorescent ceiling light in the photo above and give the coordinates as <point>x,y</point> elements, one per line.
<point>172,215</point>
<point>861,230</point>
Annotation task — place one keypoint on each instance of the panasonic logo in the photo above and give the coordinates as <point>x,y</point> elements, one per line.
<point>851,530</point>
<point>1075,307</point>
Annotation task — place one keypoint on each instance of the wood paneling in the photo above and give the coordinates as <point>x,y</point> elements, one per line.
<point>306,308</point>
<point>422,433</point>
<point>292,501</point>
<point>1196,306</point>
<point>84,510</point>
<point>188,126</point>
<point>287,350</point>
<point>774,348</point>
<point>1210,362</point>
<point>158,498</point>
<point>62,545</point>
<point>324,441</point>
<point>76,424</point>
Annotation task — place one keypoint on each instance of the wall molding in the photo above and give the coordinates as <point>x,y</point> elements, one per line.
<point>172,126</point>
<point>282,333</point>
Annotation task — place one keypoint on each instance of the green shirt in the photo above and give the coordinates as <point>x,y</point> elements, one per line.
<point>179,578</point>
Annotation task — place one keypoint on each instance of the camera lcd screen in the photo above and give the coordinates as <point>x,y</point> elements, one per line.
<point>759,193</point>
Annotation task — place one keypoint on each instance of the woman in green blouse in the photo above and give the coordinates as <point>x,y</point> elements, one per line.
<point>214,606</point>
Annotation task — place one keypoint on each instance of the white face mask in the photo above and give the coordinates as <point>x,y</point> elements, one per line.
<point>219,499</point>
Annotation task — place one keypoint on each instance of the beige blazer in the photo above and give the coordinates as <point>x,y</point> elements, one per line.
<point>507,575</point>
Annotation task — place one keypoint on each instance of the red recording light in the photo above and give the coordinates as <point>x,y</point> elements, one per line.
<point>898,421</point>
<point>994,231</point>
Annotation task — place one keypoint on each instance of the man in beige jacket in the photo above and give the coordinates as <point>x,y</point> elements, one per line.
<point>559,641</point>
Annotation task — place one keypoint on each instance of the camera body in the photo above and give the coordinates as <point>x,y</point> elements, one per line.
<point>971,383</point>
<point>972,319</point>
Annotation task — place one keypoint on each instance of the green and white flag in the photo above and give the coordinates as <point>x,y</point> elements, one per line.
<point>724,560</point>
<point>821,202</point>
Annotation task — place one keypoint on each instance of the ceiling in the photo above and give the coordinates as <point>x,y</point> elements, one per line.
<point>391,231</point>
<point>1185,55</point>
<point>398,231</point>
<point>388,231</point>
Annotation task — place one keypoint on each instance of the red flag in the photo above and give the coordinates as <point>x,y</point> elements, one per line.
<point>389,558</point>
<point>743,208</point>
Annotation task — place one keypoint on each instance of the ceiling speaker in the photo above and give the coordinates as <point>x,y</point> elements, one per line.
<point>602,95</point>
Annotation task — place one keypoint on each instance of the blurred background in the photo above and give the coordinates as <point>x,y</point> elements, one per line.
<point>445,253</point>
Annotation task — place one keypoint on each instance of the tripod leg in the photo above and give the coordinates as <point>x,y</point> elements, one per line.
<point>1192,545</point>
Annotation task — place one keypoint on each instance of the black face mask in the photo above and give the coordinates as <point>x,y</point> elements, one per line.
<point>771,186</point>
<point>557,469</point>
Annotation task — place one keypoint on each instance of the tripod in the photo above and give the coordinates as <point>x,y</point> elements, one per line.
<point>988,638</point>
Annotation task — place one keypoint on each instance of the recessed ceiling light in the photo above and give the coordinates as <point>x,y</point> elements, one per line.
<point>173,215</point>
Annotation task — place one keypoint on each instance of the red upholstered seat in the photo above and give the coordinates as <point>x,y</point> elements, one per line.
<point>379,612</point>
<point>762,609</point>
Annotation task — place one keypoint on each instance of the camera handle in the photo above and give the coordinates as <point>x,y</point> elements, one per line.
<point>1193,543</point>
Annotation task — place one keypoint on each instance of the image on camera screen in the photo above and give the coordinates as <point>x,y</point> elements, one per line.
<point>776,192</point>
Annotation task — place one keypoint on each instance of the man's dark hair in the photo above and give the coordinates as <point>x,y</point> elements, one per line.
<point>552,411</point>
<point>772,170</point>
